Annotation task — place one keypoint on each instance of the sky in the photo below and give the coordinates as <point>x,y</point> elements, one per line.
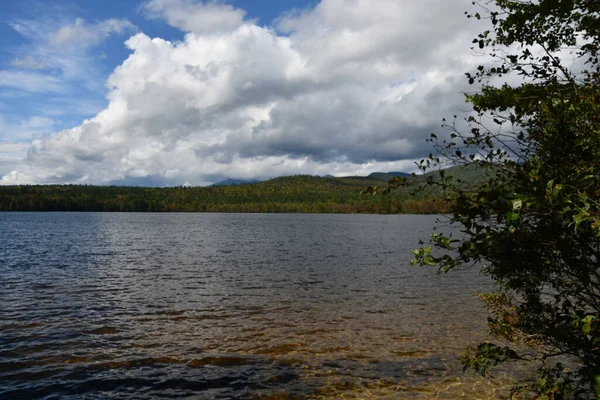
<point>190,92</point>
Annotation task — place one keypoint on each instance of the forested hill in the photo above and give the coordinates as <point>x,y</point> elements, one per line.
<point>299,193</point>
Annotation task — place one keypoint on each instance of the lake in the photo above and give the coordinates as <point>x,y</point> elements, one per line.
<point>249,306</point>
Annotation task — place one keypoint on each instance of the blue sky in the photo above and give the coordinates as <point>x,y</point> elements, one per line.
<point>174,92</point>
<point>78,100</point>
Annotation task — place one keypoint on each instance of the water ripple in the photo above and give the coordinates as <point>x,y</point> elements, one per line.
<point>230,306</point>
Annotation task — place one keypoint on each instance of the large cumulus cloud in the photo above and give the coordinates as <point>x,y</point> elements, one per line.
<point>346,87</point>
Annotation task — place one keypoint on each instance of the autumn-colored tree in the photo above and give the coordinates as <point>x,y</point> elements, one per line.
<point>532,219</point>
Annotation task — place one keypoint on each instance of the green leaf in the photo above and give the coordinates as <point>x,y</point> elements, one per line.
<point>587,324</point>
<point>531,221</point>
<point>511,217</point>
<point>517,204</point>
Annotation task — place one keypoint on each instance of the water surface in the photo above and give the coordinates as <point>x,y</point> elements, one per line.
<point>98,305</point>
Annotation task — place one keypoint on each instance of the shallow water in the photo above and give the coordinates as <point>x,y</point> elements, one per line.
<point>98,305</point>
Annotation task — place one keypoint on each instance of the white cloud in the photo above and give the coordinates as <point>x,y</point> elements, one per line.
<point>13,147</point>
<point>194,16</point>
<point>60,50</point>
<point>55,72</point>
<point>30,81</point>
<point>11,155</point>
<point>15,140</point>
<point>84,35</point>
<point>29,62</point>
<point>353,87</point>
<point>25,130</point>
<point>37,123</point>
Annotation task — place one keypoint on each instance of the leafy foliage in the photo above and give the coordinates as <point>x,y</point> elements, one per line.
<point>308,194</point>
<point>533,218</point>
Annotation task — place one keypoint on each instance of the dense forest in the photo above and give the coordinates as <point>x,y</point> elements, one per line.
<point>301,193</point>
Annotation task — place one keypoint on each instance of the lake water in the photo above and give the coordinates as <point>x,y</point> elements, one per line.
<point>250,306</point>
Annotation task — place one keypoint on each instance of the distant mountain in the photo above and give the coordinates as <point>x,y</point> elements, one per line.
<point>395,173</point>
<point>230,182</point>
<point>290,194</point>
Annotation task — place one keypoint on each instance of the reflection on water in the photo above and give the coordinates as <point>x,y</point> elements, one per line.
<point>230,306</point>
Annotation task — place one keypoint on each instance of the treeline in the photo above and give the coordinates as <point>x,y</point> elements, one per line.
<point>296,194</point>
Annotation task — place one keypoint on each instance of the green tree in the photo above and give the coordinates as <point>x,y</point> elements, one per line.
<point>532,218</point>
